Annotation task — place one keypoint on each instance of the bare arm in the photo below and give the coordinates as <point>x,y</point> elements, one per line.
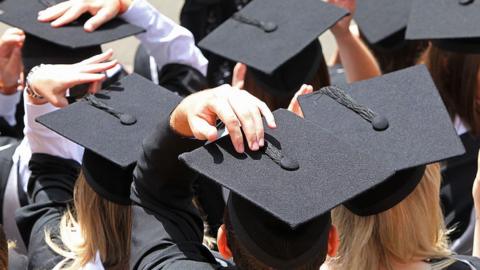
<point>357,60</point>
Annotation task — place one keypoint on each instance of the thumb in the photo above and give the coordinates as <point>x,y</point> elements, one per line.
<point>202,130</point>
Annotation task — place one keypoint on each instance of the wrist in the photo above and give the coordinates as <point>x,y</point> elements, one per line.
<point>342,35</point>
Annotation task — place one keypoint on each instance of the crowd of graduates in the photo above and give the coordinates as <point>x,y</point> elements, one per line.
<point>234,143</point>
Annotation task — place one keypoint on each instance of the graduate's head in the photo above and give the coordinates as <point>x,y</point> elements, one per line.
<point>121,117</point>
<point>280,49</point>
<point>278,209</point>
<point>257,240</point>
<point>382,28</point>
<point>277,89</point>
<point>413,228</point>
<point>454,54</point>
<point>394,52</point>
<point>398,217</point>
<point>105,225</point>
<point>457,76</point>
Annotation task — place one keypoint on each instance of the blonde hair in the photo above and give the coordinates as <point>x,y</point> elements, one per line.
<point>414,229</point>
<point>96,225</point>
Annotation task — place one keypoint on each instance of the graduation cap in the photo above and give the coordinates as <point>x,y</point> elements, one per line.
<point>450,24</point>
<point>111,125</point>
<point>398,118</point>
<point>276,39</point>
<point>63,45</point>
<point>383,22</point>
<point>281,195</point>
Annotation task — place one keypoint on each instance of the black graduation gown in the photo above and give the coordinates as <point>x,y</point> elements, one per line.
<point>16,261</point>
<point>458,177</point>
<point>167,229</point>
<point>6,163</point>
<point>50,191</point>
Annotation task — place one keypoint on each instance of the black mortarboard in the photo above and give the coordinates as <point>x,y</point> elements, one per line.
<point>383,22</point>
<point>450,24</point>
<point>276,39</point>
<point>23,14</point>
<point>281,195</point>
<point>111,126</point>
<point>398,118</point>
<point>65,45</point>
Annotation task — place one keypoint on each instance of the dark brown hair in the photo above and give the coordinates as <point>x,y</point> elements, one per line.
<point>3,249</point>
<point>245,260</point>
<point>456,77</point>
<point>321,79</point>
<point>396,53</point>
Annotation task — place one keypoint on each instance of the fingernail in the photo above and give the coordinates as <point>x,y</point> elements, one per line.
<point>262,142</point>
<point>255,146</point>
<point>240,148</point>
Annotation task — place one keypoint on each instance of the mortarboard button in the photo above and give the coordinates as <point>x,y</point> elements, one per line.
<point>278,157</point>
<point>268,27</point>
<point>465,2</point>
<point>380,123</point>
<point>125,118</point>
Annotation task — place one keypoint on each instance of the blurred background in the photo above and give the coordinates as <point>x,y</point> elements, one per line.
<point>125,48</point>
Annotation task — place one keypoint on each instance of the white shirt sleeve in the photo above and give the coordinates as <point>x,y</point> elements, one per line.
<point>8,107</point>
<point>165,40</point>
<point>42,140</point>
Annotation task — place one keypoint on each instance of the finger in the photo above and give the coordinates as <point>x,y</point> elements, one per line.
<point>223,111</point>
<point>54,12</point>
<point>12,39</point>
<point>95,87</point>
<point>58,101</point>
<point>239,73</point>
<point>202,130</point>
<point>100,67</point>
<point>14,64</point>
<point>267,114</point>
<point>98,58</point>
<point>82,78</point>
<point>103,15</point>
<point>70,15</point>
<point>246,114</point>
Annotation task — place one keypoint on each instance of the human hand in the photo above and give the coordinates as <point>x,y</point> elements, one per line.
<point>66,12</point>
<point>52,81</point>
<point>342,27</point>
<point>11,65</point>
<point>294,105</point>
<point>197,114</point>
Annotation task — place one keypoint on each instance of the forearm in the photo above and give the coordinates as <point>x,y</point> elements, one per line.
<point>165,40</point>
<point>356,58</point>
<point>43,140</point>
<point>160,178</point>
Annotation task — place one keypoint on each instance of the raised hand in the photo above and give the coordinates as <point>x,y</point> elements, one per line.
<point>66,12</point>
<point>240,111</point>
<point>52,81</point>
<point>11,65</point>
<point>294,105</point>
<point>342,26</point>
